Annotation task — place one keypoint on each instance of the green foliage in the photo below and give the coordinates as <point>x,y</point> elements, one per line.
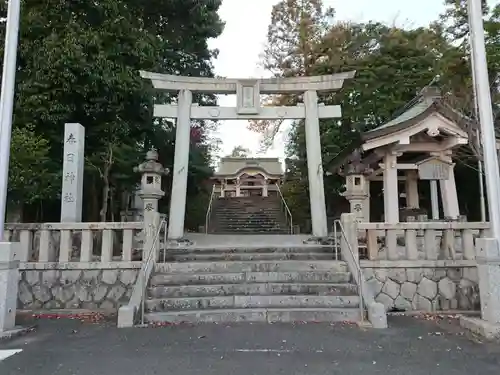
<point>30,178</point>
<point>392,64</point>
<point>239,152</point>
<point>80,62</point>
<point>453,24</point>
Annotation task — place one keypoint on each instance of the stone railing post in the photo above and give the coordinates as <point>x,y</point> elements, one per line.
<point>350,227</point>
<point>488,266</point>
<point>488,270</point>
<point>9,277</point>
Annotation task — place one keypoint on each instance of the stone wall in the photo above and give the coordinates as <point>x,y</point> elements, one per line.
<point>423,286</point>
<point>63,287</point>
<point>402,285</point>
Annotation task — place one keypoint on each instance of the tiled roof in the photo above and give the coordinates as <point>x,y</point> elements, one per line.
<point>232,166</point>
<point>409,114</point>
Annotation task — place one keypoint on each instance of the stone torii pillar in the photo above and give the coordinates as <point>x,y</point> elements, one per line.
<point>181,165</point>
<point>315,166</point>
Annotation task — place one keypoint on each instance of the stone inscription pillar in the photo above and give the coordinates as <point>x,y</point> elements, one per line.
<point>315,166</point>
<point>181,164</point>
<point>73,164</point>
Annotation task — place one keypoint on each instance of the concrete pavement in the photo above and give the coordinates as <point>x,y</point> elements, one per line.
<point>410,346</point>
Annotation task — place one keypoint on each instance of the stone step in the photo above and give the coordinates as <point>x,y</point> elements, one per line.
<point>256,223</point>
<point>256,315</point>
<point>337,277</point>
<point>228,256</point>
<point>246,301</point>
<point>247,211</point>
<point>248,200</point>
<point>247,232</point>
<point>242,224</point>
<point>256,198</point>
<point>243,219</point>
<point>254,227</point>
<point>252,266</point>
<point>245,216</point>
<point>171,291</point>
<point>249,205</point>
<point>244,233</point>
<point>260,250</point>
<point>248,214</point>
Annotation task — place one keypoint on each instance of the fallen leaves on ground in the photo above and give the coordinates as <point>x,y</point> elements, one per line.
<point>167,324</point>
<point>436,317</point>
<point>86,317</point>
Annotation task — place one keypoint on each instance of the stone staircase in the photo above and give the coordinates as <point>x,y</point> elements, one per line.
<point>248,215</point>
<point>251,284</point>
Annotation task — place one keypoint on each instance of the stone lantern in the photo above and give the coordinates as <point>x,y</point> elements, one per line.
<point>150,193</point>
<point>358,187</point>
<point>358,194</point>
<point>150,188</point>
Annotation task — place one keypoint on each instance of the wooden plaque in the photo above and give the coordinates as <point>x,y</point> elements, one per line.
<point>434,169</point>
<point>248,97</point>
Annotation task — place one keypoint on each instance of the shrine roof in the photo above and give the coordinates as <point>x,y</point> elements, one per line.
<point>232,166</point>
<point>427,103</point>
<point>398,123</point>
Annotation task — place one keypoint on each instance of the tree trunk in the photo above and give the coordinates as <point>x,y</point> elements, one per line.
<point>106,188</point>
<point>112,205</point>
<point>94,196</point>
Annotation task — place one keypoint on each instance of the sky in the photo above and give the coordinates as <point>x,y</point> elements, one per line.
<point>245,35</point>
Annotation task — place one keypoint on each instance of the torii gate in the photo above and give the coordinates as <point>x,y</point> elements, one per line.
<point>248,93</point>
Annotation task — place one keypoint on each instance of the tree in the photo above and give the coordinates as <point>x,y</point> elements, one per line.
<point>79,62</point>
<point>30,179</point>
<point>454,24</point>
<point>239,152</point>
<point>392,64</point>
<point>295,31</point>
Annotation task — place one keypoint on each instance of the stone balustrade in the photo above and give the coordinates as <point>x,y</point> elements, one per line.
<point>76,242</point>
<point>421,240</point>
